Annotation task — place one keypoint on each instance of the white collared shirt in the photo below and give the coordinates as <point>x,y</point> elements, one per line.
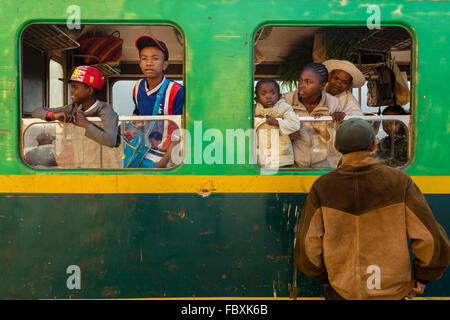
<point>149,92</point>
<point>90,108</point>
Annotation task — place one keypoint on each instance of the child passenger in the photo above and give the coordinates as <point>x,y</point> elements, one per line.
<point>155,139</point>
<point>154,154</point>
<point>270,105</point>
<point>393,149</point>
<point>86,81</point>
<point>153,61</point>
<point>313,143</point>
<point>154,94</point>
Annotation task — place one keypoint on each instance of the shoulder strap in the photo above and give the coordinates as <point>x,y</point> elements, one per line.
<point>161,91</point>
<point>159,97</point>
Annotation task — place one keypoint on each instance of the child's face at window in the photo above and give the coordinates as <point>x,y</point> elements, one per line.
<point>391,127</point>
<point>154,142</point>
<point>152,62</point>
<point>338,82</point>
<point>267,94</point>
<point>80,92</point>
<point>309,85</point>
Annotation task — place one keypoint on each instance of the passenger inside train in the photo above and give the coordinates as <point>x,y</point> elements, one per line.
<point>270,106</point>
<point>155,94</point>
<point>312,142</point>
<point>85,81</point>
<point>342,76</point>
<point>153,61</point>
<point>393,149</point>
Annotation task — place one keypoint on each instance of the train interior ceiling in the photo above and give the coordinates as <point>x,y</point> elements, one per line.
<point>277,50</point>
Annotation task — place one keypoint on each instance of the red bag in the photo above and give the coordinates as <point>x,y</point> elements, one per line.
<point>103,49</point>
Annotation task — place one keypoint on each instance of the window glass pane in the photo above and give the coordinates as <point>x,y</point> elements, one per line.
<point>353,67</point>
<point>122,97</point>
<point>315,146</point>
<point>65,146</point>
<point>392,141</point>
<point>56,91</point>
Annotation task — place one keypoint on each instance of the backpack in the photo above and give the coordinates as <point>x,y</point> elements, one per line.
<point>134,148</point>
<point>380,91</point>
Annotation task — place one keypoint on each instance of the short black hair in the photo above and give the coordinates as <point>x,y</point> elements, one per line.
<point>319,69</point>
<point>396,109</point>
<point>267,80</point>
<point>155,135</point>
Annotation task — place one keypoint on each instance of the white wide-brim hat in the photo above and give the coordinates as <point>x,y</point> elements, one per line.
<point>347,66</point>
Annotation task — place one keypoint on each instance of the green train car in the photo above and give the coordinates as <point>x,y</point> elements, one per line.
<point>215,224</point>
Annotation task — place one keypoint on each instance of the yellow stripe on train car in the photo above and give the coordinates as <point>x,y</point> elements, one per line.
<point>203,185</point>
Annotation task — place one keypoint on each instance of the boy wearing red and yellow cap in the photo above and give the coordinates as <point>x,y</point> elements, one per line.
<point>86,80</point>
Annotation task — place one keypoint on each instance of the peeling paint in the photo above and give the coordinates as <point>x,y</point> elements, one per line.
<point>206,189</point>
<point>398,11</point>
<point>274,289</point>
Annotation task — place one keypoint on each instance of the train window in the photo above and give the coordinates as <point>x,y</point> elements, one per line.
<point>128,87</point>
<point>362,72</point>
<point>144,144</point>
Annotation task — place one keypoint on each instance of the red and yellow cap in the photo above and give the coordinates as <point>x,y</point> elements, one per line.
<point>88,75</point>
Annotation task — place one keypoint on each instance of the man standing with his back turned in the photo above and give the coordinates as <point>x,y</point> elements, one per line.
<point>355,225</point>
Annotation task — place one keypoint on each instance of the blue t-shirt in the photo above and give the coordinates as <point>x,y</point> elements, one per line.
<point>171,102</point>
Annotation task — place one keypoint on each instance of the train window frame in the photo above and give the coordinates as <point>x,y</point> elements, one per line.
<point>25,119</point>
<point>412,87</point>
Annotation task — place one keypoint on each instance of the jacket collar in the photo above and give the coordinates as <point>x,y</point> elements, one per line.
<point>356,159</point>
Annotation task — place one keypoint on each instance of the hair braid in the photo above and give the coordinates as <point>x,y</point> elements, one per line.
<point>319,69</point>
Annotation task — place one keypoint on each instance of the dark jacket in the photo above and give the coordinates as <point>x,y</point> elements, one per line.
<point>358,219</point>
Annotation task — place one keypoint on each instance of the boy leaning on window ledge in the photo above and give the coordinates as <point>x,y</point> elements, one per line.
<point>86,81</point>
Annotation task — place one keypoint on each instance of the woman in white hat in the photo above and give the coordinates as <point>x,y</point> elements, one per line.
<point>342,76</point>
